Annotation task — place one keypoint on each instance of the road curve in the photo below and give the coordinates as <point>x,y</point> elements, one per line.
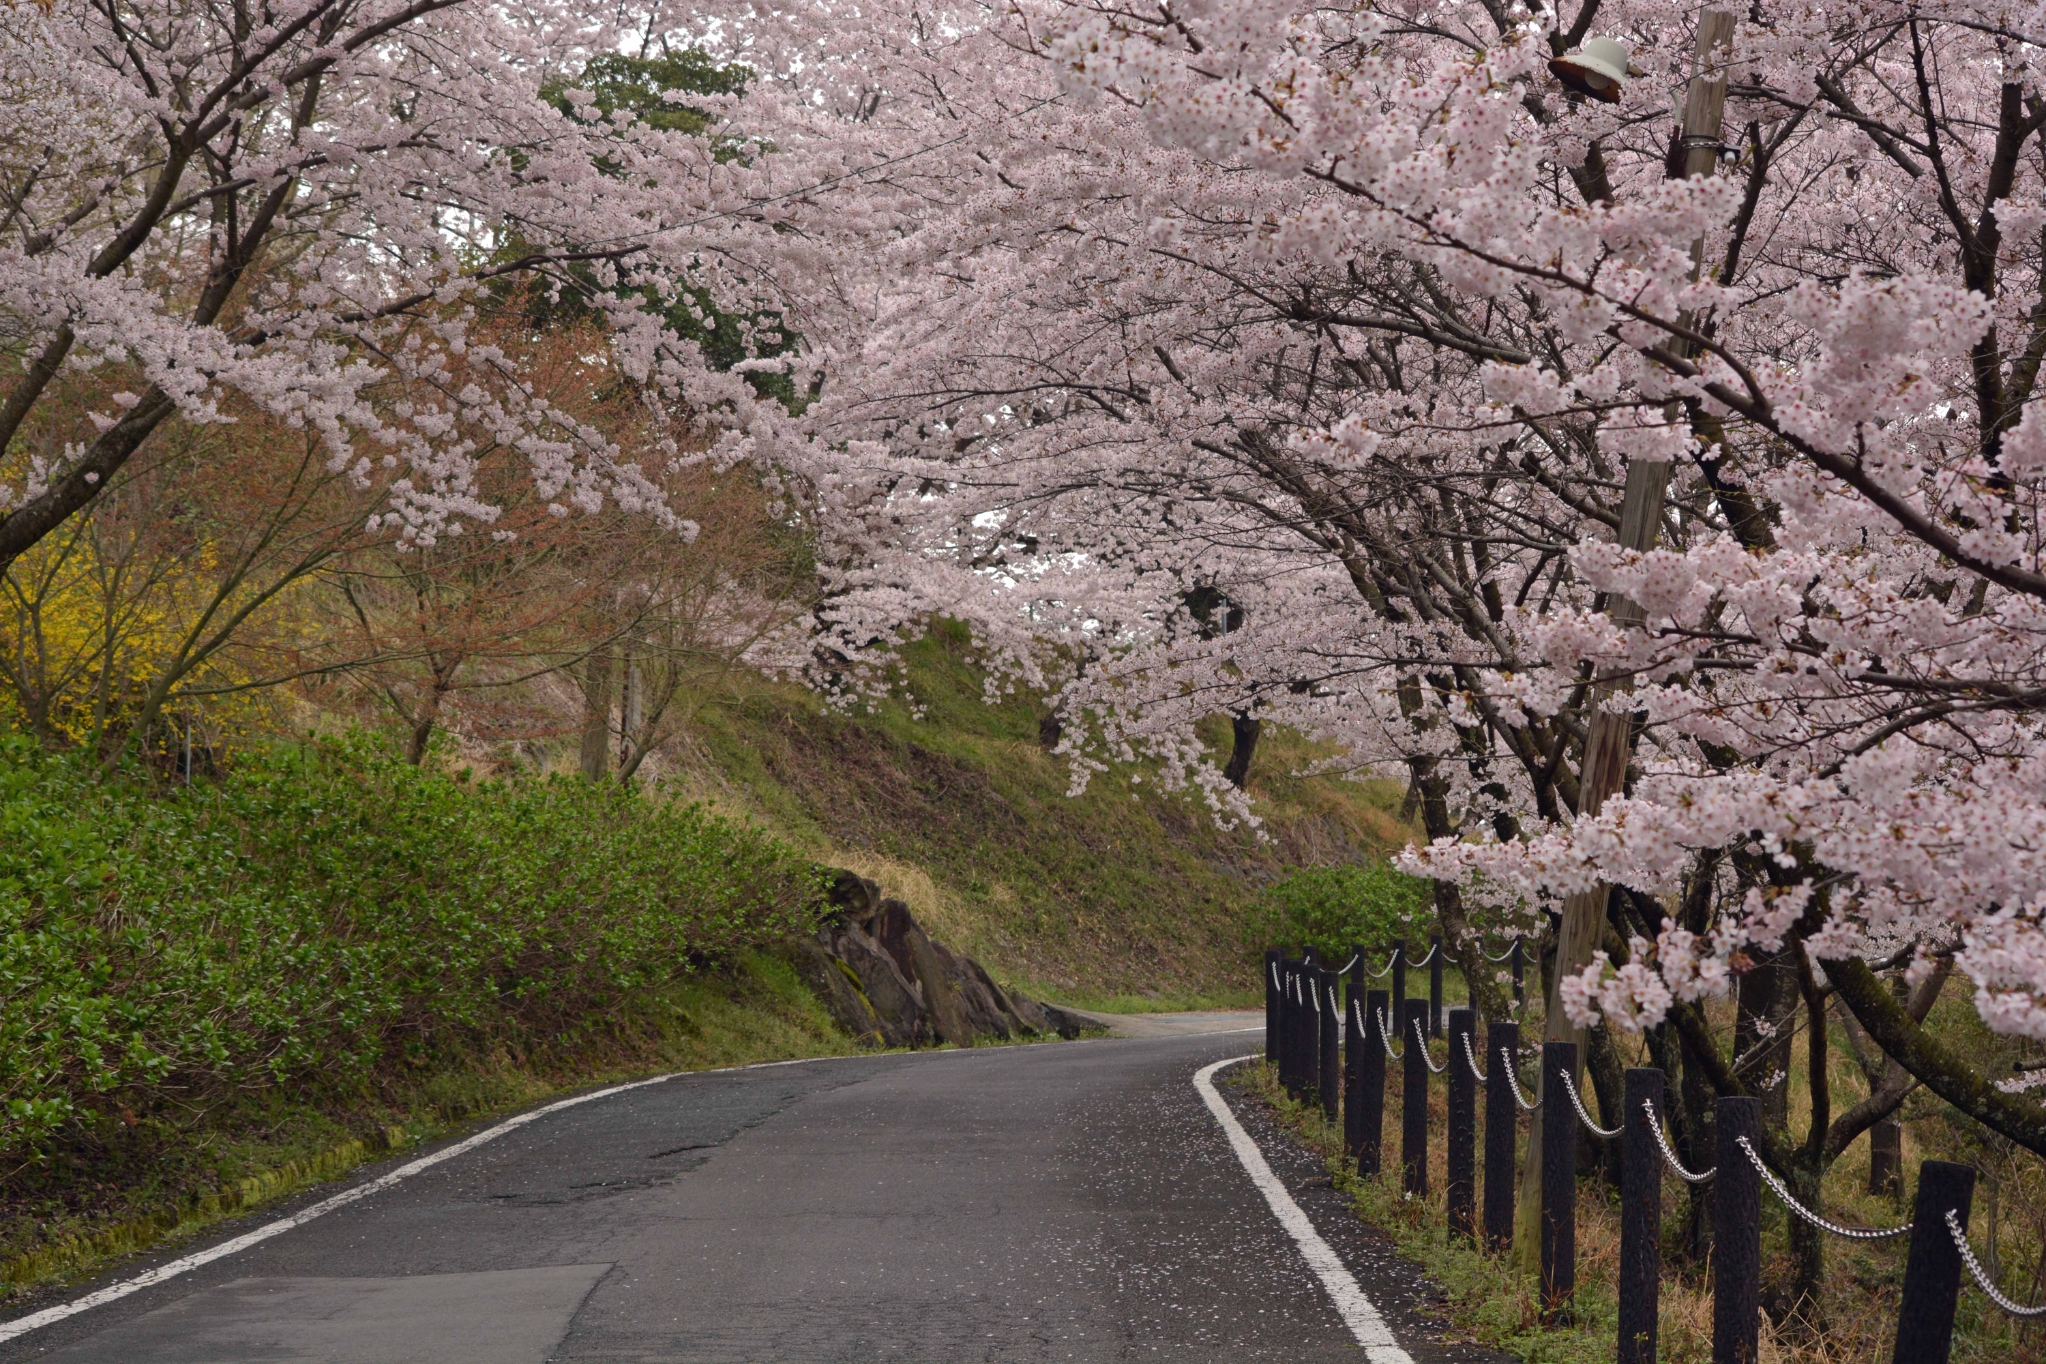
<point>1046,1203</point>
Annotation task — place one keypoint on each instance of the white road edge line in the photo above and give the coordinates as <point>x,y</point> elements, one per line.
<point>113,1292</point>
<point>1359,1313</point>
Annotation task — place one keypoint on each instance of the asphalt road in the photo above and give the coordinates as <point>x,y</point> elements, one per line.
<point>1071,1201</point>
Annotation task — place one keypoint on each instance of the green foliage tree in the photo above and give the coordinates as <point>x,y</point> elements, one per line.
<point>1331,908</point>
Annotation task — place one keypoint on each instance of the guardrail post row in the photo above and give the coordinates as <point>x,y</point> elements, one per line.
<point>1435,985</point>
<point>1399,986</point>
<point>1273,956</point>
<point>1331,1000</point>
<point>1371,1087</point>
<point>1932,1268</point>
<point>1519,971</point>
<point>1460,1177</point>
<point>1558,1222</point>
<point>1737,1235</point>
<point>1640,1218</point>
<point>1502,1126</point>
<point>1414,1099</point>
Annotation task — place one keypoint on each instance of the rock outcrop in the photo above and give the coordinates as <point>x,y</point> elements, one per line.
<point>887,982</point>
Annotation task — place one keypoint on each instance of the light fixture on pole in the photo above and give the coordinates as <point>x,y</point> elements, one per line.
<point>1597,69</point>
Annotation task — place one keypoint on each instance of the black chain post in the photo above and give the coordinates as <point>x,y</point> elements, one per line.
<point>1371,1085</point>
<point>1932,1269</point>
<point>1310,1034</point>
<point>1353,1051</point>
<point>1519,972</point>
<point>1289,1029</point>
<point>1737,1235</point>
<point>1302,1037</point>
<point>1414,1099</point>
<point>1502,1127</point>
<point>1559,1182</point>
<point>1435,985</point>
<point>1276,1041</point>
<point>1640,1217</point>
<point>1273,956</point>
<point>1328,982</point>
<point>1460,1176</point>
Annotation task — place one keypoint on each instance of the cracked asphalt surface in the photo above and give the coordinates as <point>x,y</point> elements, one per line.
<point>1067,1202</point>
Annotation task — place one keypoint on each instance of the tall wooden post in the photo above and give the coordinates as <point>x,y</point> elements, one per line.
<point>1414,1099</point>
<point>1371,1069</point>
<point>1609,741</point>
<point>1460,1176</point>
<point>1328,1035</point>
<point>1353,1055</point>
<point>1556,1120</point>
<point>1640,1218</point>
<point>1502,1126</point>
<point>1290,980</point>
<point>1737,1236</point>
<point>1932,1268</point>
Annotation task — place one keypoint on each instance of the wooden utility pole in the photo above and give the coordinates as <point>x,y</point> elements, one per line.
<point>1609,742</point>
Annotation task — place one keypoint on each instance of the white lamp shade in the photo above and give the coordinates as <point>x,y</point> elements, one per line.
<point>1597,69</point>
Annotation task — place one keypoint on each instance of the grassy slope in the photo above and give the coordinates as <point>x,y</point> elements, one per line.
<point>1126,896</point>
<point>156,1182</point>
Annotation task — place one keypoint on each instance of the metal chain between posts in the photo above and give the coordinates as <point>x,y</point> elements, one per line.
<point>1570,1088</point>
<point>1433,948</point>
<point>1981,1279</point>
<point>1662,1144</point>
<point>1776,1186</point>
<point>1385,1037</point>
<point>1421,1037</point>
<point>1382,971</point>
<point>1471,1060</point>
<point>1344,970</point>
<point>1277,984</point>
<point>1513,1080</point>
<point>1335,999</point>
<point>1502,956</point>
<point>1314,998</point>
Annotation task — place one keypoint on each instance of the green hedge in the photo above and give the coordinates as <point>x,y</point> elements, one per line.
<point>1332,908</point>
<point>324,911</point>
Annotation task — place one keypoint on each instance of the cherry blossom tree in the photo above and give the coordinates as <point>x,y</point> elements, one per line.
<point>1366,321</point>
<point>299,204</point>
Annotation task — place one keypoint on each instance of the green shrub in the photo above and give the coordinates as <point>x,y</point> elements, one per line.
<point>1333,907</point>
<point>325,911</point>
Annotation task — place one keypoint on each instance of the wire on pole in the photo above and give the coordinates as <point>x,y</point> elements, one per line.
<point>1776,1187</point>
<point>1385,1038</point>
<point>1471,1060</point>
<point>1433,1069</point>
<point>1662,1143</point>
<point>1982,1280</point>
<point>1513,1081</point>
<point>1570,1088</point>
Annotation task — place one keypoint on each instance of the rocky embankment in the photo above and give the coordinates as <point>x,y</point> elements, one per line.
<point>886,981</point>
